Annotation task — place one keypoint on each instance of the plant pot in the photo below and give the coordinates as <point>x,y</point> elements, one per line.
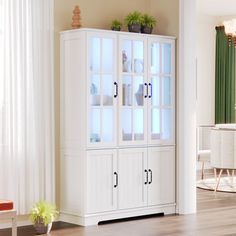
<point>134,28</point>
<point>41,228</point>
<point>146,30</point>
<point>116,28</point>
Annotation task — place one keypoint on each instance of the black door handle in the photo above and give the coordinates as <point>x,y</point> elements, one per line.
<point>150,90</point>
<point>146,85</point>
<point>146,176</point>
<point>116,94</point>
<point>116,184</point>
<point>150,176</point>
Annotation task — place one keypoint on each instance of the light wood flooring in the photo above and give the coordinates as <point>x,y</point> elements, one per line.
<point>216,216</point>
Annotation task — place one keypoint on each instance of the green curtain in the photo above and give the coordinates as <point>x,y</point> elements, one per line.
<point>224,78</point>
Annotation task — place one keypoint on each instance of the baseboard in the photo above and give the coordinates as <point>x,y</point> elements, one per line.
<point>93,219</point>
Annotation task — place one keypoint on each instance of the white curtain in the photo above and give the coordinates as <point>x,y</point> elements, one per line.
<point>26,102</point>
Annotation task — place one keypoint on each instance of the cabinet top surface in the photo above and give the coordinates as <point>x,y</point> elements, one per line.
<point>74,31</point>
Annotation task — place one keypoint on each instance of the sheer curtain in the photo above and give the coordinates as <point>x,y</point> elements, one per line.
<point>26,102</point>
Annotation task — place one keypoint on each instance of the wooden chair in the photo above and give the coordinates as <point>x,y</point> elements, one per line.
<point>7,212</point>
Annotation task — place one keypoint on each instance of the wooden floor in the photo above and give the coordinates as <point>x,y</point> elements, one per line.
<point>216,216</point>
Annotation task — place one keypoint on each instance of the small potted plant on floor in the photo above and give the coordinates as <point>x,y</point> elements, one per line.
<point>147,24</point>
<point>133,21</point>
<point>116,25</point>
<point>42,215</point>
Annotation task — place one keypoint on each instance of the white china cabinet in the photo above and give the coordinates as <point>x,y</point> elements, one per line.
<point>117,125</point>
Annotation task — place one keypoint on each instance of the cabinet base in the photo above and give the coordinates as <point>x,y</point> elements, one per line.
<point>93,219</point>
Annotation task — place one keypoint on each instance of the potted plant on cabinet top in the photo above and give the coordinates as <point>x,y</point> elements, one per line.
<point>133,20</point>
<point>42,215</point>
<point>116,25</point>
<point>147,24</point>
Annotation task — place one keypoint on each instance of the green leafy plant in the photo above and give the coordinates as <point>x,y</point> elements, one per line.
<point>116,25</point>
<point>133,18</point>
<point>148,21</point>
<point>43,212</point>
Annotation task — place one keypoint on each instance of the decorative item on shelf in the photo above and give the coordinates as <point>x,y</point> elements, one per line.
<point>76,18</point>
<point>94,138</point>
<point>148,22</point>
<point>138,65</point>
<point>96,100</point>
<point>139,95</point>
<point>42,215</point>
<point>116,25</point>
<point>133,21</point>
<point>126,63</point>
<point>93,89</point>
<point>127,97</point>
<point>126,136</point>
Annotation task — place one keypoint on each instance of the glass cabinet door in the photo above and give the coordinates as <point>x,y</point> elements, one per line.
<point>133,92</point>
<point>103,89</point>
<point>161,81</point>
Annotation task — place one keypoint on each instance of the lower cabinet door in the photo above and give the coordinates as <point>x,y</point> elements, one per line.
<point>132,190</point>
<point>161,170</point>
<point>101,183</point>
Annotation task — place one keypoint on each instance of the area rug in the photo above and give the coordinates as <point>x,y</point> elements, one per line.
<point>227,184</point>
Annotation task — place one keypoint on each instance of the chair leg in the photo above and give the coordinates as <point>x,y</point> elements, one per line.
<point>217,185</point>
<point>202,170</point>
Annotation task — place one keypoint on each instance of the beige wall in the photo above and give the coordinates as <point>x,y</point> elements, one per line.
<point>99,14</point>
<point>167,14</point>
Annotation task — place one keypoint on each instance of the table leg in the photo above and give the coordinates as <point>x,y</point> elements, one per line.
<point>215,174</point>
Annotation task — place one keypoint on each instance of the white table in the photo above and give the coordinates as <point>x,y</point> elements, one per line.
<point>223,149</point>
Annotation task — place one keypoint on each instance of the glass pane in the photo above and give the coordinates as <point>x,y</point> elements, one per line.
<point>107,55</point>
<point>155,58</point>
<point>107,87</point>
<point>95,90</point>
<point>138,90</point>
<point>138,124</point>
<point>156,128</point>
<point>107,125</point>
<point>126,124</point>
<point>166,124</point>
<point>127,55</point>
<point>155,91</point>
<point>166,91</point>
<point>127,91</point>
<point>166,58</point>
<point>95,126</point>
<point>138,56</point>
<point>95,54</point>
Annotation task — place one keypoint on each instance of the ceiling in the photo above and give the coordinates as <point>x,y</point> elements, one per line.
<point>217,7</point>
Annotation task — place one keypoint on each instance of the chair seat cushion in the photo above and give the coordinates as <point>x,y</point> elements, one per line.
<point>204,155</point>
<point>6,205</point>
